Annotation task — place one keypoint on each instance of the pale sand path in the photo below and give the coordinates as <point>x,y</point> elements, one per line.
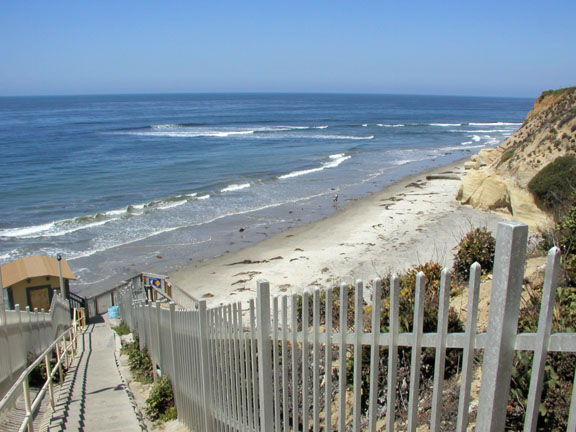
<point>409,223</point>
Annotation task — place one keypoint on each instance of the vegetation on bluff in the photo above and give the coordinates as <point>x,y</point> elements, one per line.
<point>555,184</point>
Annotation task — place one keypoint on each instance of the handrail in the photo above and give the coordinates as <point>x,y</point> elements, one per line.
<point>162,293</point>
<point>64,353</point>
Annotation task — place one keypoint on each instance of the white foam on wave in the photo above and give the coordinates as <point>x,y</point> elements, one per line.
<point>466,142</point>
<point>445,124</point>
<point>495,124</point>
<point>192,195</point>
<point>403,161</point>
<point>344,137</point>
<point>182,131</point>
<point>5,257</point>
<point>193,134</point>
<point>235,187</point>
<point>118,212</point>
<point>288,128</point>
<point>468,147</point>
<point>475,138</point>
<point>172,204</point>
<point>391,125</point>
<point>27,231</point>
<point>337,159</point>
<point>203,197</point>
<point>52,229</point>
<point>166,126</point>
<point>77,228</point>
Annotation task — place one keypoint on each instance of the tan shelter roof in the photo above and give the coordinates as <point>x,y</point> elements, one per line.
<point>33,266</point>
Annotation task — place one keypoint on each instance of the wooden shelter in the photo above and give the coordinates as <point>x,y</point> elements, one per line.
<point>33,280</point>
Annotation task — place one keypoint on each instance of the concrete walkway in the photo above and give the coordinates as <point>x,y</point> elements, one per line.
<point>93,396</point>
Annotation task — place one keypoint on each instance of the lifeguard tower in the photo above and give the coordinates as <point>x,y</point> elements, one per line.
<point>33,280</point>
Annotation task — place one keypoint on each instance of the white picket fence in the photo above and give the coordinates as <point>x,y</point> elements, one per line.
<point>24,332</point>
<point>264,368</point>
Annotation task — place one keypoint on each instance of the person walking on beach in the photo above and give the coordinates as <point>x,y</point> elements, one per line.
<point>335,200</point>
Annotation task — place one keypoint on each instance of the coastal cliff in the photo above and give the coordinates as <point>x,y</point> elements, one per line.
<point>498,178</point>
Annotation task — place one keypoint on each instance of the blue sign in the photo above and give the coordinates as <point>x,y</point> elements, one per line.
<point>155,282</point>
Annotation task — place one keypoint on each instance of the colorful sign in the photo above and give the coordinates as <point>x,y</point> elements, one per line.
<point>155,282</point>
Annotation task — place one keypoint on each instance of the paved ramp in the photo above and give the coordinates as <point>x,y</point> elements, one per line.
<point>94,396</point>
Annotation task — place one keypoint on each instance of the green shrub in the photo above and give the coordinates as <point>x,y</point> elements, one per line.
<point>160,402</point>
<point>170,414</point>
<point>559,371</point>
<point>563,235</point>
<point>507,155</point>
<point>477,246</point>
<point>139,361</point>
<point>122,329</point>
<point>554,185</point>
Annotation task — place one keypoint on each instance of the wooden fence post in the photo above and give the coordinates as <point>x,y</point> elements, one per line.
<point>502,325</point>
<point>204,366</point>
<point>264,359</point>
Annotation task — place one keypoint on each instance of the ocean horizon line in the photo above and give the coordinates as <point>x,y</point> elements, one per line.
<point>263,93</point>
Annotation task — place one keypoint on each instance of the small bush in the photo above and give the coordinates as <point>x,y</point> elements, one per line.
<point>160,403</point>
<point>507,155</point>
<point>477,246</point>
<point>139,361</point>
<point>554,185</point>
<point>38,376</point>
<point>122,329</point>
<point>559,371</point>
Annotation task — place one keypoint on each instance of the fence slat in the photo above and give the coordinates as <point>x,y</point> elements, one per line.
<point>440,351</point>
<point>375,354</point>
<point>243,380</point>
<point>250,371</point>
<point>231,381</point>
<point>255,385</point>
<point>205,368</point>
<point>236,355</point>
<point>305,360</point>
<point>295,362</point>
<point>416,351</point>
<point>498,360</point>
<point>358,331</point>
<point>285,363</point>
<point>393,352</point>
<point>328,361</point>
<point>264,360</point>
<point>316,359</point>
<point>468,352</point>
<point>342,357</point>
<point>572,417</point>
<point>543,337</point>
<point>275,364</point>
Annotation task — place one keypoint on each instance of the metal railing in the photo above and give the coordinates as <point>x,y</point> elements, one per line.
<point>24,332</point>
<point>64,348</point>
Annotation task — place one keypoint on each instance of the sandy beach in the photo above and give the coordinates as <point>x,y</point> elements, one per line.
<point>410,222</point>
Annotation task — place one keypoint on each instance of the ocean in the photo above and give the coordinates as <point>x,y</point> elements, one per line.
<point>128,183</point>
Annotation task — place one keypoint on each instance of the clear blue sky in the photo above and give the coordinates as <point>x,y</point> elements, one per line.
<point>504,48</point>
